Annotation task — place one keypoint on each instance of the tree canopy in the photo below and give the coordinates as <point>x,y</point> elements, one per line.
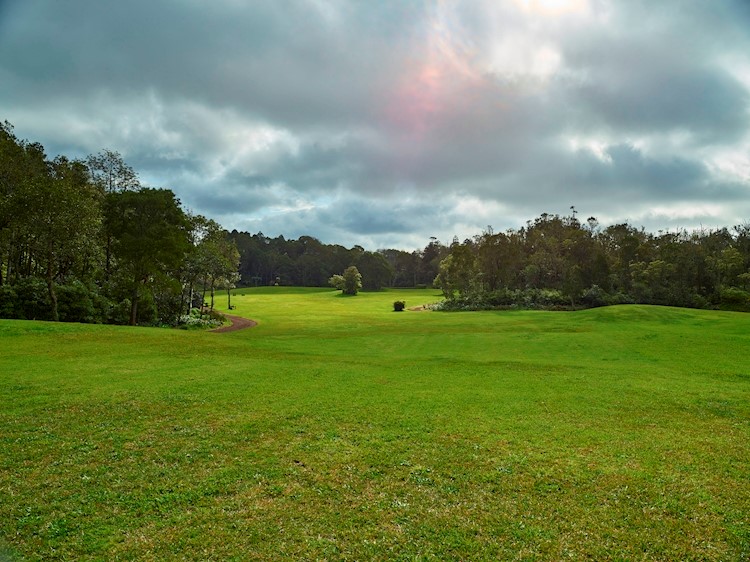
<point>83,240</point>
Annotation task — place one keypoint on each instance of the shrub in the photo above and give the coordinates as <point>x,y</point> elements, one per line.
<point>196,320</point>
<point>337,281</point>
<point>502,297</point>
<point>594,296</point>
<point>102,307</point>
<point>217,316</point>
<point>551,297</point>
<point>120,312</point>
<point>398,306</point>
<point>733,298</point>
<point>620,298</point>
<point>74,303</point>
<point>349,283</point>
<point>8,300</point>
<point>147,311</point>
<point>33,299</point>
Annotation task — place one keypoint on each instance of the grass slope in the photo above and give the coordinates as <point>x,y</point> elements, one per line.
<point>338,429</point>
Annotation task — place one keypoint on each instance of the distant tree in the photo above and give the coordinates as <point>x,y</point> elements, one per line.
<point>337,282</point>
<point>229,282</point>
<point>457,271</point>
<point>376,271</point>
<point>349,283</point>
<point>110,173</point>
<point>429,265</point>
<point>352,280</point>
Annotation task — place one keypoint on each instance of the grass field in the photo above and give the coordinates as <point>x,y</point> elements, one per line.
<point>338,429</point>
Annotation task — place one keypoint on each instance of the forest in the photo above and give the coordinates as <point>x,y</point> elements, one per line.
<point>551,262</point>
<point>84,240</point>
<point>561,262</point>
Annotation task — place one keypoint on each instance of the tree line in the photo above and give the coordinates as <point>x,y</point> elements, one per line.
<point>552,262</point>
<point>84,240</point>
<point>560,262</point>
<point>308,262</point>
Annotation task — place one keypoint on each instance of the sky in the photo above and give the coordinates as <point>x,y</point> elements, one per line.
<point>386,123</point>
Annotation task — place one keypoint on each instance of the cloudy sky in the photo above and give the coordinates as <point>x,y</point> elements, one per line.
<point>384,123</point>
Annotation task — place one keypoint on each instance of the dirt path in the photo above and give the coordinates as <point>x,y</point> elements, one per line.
<point>238,323</point>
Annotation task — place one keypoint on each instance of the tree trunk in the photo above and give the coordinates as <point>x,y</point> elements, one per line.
<point>51,284</point>
<point>190,298</point>
<point>203,297</point>
<point>134,305</point>
<point>212,294</point>
<point>108,259</point>
<point>52,297</point>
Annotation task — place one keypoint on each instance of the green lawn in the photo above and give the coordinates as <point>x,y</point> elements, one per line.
<point>339,429</point>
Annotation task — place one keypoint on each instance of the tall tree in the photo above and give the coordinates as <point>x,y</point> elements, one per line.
<point>375,269</point>
<point>110,172</point>
<point>150,233</point>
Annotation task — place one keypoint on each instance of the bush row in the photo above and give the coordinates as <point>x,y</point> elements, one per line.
<point>29,299</point>
<point>731,298</point>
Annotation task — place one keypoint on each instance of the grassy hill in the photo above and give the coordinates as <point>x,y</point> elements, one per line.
<point>339,429</point>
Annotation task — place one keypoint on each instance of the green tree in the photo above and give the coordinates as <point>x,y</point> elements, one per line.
<point>349,283</point>
<point>110,173</point>
<point>375,269</point>
<point>66,223</point>
<point>457,271</point>
<point>352,280</point>
<point>337,281</point>
<point>150,233</point>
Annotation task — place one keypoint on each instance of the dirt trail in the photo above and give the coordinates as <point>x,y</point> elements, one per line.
<point>238,323</point>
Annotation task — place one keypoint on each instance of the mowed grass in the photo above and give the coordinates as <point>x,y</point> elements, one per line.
<point>339,429</point>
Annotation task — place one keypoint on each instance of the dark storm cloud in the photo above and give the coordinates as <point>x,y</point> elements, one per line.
<point>285,62</point>
<point>385,123</point>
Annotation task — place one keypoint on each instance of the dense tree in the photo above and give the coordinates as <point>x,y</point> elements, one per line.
<point>375,269</point>
<point>64,228</point>
<point>83,240</point>
<point>553,260</point>
<point>349,283</point>
<point>457,272</point>
<point>151,232</point>
<point>110,173</point>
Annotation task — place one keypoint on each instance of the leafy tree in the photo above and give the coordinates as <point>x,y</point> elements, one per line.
<point>110,173</point>
<point>376,271</point>
<point>151,237</point>
<point>349,283</point>
<point>337,282</point>
<point>66,222</point>
<point>457,271</point>
<point>352,280</point>
<point>229,282</point>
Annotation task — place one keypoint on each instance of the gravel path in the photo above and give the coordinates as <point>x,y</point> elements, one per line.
<point>238,323</point>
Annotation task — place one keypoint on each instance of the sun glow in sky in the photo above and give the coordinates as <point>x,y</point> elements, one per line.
<point>554,7</point>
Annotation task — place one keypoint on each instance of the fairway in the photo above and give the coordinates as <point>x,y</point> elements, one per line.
<point>339,429</point>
